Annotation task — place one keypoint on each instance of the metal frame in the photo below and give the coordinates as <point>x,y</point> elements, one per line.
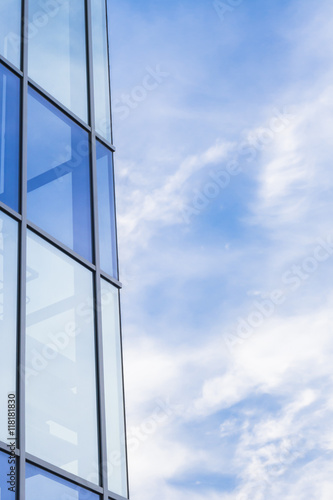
<point>24,225</point>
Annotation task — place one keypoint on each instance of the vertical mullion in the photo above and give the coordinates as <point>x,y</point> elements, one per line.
<point>23,252</point>
<point>97,284</point>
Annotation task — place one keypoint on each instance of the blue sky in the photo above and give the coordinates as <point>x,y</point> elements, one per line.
<point>222,124</point>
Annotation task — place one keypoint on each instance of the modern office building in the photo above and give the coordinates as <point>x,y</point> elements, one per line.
<point>62,429</point>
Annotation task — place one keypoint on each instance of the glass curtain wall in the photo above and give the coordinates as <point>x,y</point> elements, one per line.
<point>62,435</point>
<point>8,316</point>
<point>10,30</point>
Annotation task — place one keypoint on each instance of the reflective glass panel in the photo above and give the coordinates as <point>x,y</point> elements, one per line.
<point>106,211</point>
<point>101,69</point>
<point>8,313</point>
<point>42,485</point>
<point>10,30</point>
<point>6,462</point>
<point>114,403</point>
<point>9,137</point>
<point>57,51</point>
<point>58,175</point>
<point>61,414</point>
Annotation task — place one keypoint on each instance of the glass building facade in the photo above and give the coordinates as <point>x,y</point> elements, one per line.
<point>62,423</point>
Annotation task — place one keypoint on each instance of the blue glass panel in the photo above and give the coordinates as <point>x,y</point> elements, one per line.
<point>106,211</point>
<point>10,30</point>
<point>114,401</point>
<point>9,137</point>
<point>42,485</point>
<point>7,466</point>
<point>57,51</point>
<point>58,175</point>
<point>61,398</point>
<point>101,69</point>
<point>8,314</point>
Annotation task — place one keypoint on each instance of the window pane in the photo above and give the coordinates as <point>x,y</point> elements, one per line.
<point>57,52</point>
<point>9,137</point>
<point>101,69</point>
<point>60,373</point>
<point>42,485</point>
<point>58,175</point>
<point>6,462</point>
<point>106,211</point>
<point>8,312</point>
<point>10,30</point>
<point>114,404</point>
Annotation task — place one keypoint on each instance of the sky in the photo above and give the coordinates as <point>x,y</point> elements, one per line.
<point>222,120</point>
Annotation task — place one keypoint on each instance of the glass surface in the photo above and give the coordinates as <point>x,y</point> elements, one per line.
<point>106,211</point>
<point>61,411</point>
<point>58,175</point>
<point>9,137</point>
<point>8,313</point>
<point>42,485</point>
<point>101,69</point>
<point>57,52</point>
<point>6,462</point>
<point>114,403</point>
<point>10,30</point>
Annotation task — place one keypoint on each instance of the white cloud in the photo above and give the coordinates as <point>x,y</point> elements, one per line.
<point>177,354</point>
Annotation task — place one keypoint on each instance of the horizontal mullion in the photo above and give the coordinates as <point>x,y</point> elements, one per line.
<point>57,471</point>
<point>60,246</point>
<point>58,105</point>
<point>11,66</point>
<point>115,496</point>
<point>9,211</point>
<point>111,280</point>
<point>4,447</point>
<point>105,143</point>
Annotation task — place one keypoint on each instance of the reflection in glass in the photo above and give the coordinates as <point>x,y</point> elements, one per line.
<point>58,175</point>
<point>10,30</point>
<point>5,463</point>
<point>8,312</point>
<point>101,70</point>
<point>42,485</point>
<point>61,415</point>
<point>106,211</point>
<point>57,52</point>
<point>114,404</point>
<point>9,137</point>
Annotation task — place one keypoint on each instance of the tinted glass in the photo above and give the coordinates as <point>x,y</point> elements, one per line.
<point>41,485</point>
<point>106,211</point>
<point>58,175</point>
<point>114,404</point>
<point>6,462</point>
<point>9,137</point>
<point>60,373</point>
<point>57,51</point>
<point>8,311</point>
<point>101,69</point>
<point>10,30</point>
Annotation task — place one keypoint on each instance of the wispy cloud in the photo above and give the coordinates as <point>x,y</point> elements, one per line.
<point>254,420</point>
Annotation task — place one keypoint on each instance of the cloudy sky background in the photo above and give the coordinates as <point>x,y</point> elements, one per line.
<point>224,194</point>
